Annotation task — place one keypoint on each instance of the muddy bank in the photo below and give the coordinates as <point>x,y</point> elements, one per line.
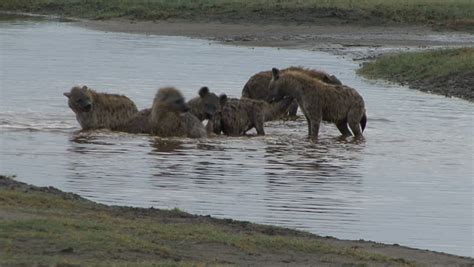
<point>55,227</point>
<point>355,41</point>
<point>455,85</point>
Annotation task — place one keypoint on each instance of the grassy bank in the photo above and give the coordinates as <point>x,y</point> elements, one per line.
<point>42,226</point>
<point>453,12</point>
<point>447,72</point>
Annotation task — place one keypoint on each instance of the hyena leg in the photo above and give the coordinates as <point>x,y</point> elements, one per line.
<point>314,129</point>
<point>353,118</point>
<point>259,127</point>
<point>309,126</point>
<point>293,108</point>
<point>343,128</point>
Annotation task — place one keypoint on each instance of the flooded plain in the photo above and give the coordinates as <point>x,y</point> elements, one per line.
<point>410,182</point>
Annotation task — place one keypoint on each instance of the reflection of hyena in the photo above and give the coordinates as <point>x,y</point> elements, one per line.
<point>170,117</point>
<point>339,104</point>
<point>99,110</point>
<point>257,86</point>
<point>205,105</point>
<point>237,116</point>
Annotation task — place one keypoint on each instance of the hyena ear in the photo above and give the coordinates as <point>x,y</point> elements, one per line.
<point>84,87</point>
<point>275,74</point>
<point>68,95</point>
<point>335,80</point>
<point>222,99</point>
<point>203,91</point>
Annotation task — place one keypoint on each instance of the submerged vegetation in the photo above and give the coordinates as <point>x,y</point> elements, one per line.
<point>266,11</point>
<point>445,71</point>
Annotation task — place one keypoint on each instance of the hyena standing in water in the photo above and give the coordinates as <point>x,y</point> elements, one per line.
<point>237,116</point>
<point>338,104</point>
<point>99,110</point>
<point>257,86</point>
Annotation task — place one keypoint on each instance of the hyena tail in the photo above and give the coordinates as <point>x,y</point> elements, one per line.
<point>363,122</point>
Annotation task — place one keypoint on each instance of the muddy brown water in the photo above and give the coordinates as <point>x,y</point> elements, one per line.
<point>410,182</point>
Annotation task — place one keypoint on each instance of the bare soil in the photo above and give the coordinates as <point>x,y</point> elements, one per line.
<point>454,85</point>
<point>356,41</point>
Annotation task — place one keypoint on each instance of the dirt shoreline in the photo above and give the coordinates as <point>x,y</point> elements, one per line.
<point>15,209</point>
<point>356,41</point>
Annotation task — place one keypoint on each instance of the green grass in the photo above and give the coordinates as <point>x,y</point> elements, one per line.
<point>403,11</point>
<point>43,229</point>
<point>416,66</point>
<point>448,72</point>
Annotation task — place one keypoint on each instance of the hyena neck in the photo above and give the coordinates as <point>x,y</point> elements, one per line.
<point>159,114</point>
<point>87,120</point>
<point>295,91</point>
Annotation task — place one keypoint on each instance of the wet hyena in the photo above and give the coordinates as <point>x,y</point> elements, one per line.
<point>338,104</point>
<point>99,110</point>
<point>170,116</point>
<point>237,116</point>
<point>205,105</point>
<point>257,86</point>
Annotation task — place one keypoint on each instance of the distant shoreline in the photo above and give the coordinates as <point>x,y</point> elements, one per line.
<point>353,41</point>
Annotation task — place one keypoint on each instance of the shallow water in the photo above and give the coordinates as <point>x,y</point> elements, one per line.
<point>410,182</point>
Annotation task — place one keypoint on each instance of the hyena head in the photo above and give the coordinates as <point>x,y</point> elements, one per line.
<point>80,99</point>
<point>222,99</point>
<point>217,118</point>
<point>210,102</point>
<point>170,99</point>
<point>277,86</point>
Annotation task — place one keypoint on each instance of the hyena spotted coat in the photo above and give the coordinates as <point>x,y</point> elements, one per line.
<point>339,104</point>
<point>169,116</point>
<point>257,86</point>
<point>100,110</point>
<point>237,116</point>
<point>205,105</point>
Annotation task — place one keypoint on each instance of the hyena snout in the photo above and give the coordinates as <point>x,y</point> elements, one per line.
<point>274,97</point>
<point>83,105</point>
<point>185,108</point>
<point>87,107</point>
<point>209,111</point>
<point>180,105</point>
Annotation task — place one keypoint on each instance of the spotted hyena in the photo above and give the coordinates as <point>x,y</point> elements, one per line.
<point>170,116</point>
<point>257,86</point>
<point>99,110</point>
<point>237,116</point>
<point>205,105</point>
<point>338,104</point>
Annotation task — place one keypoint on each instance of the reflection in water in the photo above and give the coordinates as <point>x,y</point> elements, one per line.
<point>410,180</point>
<point>331,177</point>
<point>163,145</point>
